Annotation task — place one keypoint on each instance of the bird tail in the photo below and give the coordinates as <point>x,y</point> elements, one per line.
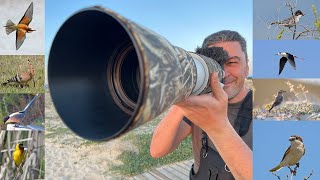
<point>10,27</point>
<point>16,78</point>
<point>275,168</point>
<point>271,108</point>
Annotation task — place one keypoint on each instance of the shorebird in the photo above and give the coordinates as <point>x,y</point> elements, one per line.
<point>22,27</point>
<point>17,118</point>
<point>278,100</point>
<point>292,155</point>
<point>287,57</point>
<point>291,21</point>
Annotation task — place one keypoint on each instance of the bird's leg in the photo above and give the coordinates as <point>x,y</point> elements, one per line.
<point>292,171</point>
<point>298,164</point>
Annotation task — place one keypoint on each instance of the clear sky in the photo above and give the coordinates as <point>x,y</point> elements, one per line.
<point>184,23</point>
<point>265,12</point>
<point>271,141</point>
<point>266,63</point>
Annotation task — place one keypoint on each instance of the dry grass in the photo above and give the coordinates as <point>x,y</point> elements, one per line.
<point>34,163</point>
<point>301,101</point>
<point>11,65</point>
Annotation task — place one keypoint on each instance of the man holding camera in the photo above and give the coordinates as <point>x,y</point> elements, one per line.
<point>220,122</point>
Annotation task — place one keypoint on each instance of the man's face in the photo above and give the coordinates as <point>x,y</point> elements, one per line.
<point>236,69</point>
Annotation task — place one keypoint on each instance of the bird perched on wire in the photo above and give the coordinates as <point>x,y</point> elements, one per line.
<point>22,27</point>
<point>18,118</point>
<point>287,57</point>
<point>278,99</point>
<point>23,78</point>
<point>19,155</point>
<point>292,155</point>
<point>291,21</point>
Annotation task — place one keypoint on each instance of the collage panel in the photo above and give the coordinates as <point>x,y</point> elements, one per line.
<point>22,155</point>
<point>288,143</point>
<point>286,20</point>
<point>22,111</point>
<point>286,99</point>
<point>286,59</point>
<point>23,27</point>
<point>22,74</point>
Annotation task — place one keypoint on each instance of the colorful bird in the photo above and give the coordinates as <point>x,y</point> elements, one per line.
<point>23,78</point>
<point>19,155</point>
<point>17,118</point>
<point>22,27</point>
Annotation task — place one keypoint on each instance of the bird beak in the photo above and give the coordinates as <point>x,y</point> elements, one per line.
<point>291,138</point>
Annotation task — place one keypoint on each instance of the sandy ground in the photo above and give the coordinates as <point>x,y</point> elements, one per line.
<point>70,157</point>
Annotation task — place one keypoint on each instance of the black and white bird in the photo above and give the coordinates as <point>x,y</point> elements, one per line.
<point>291,21</point>
<point>292,155</point>
<point>287,57</point>
<point>17,118</point>
<point>278,100</point>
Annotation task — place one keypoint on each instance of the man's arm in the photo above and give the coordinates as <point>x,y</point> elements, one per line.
<point>169,133</point>
<point>209,112</point>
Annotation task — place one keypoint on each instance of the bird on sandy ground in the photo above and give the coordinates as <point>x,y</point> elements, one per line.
<point>287,57</point>
<point>291,21</point>
<point>22,27</point>
<point>19,155</point>
<point>23,78</point>
<point>17,118</point>
<point>292,155</point>
<point>278,100</point>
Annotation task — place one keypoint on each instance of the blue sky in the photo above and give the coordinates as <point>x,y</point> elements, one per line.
<point>271,141</point>
<point>266,64</point>
<point>184,24</point>
<point>265,12</point>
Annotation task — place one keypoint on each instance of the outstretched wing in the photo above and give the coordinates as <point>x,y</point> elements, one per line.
<point>283,61</point>
<point>20,37</point>
<point>27,17</point>
<point>30,103</point>
<point>291,61</point>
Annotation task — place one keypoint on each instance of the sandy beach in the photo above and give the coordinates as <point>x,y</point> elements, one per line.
<point>70,157</point>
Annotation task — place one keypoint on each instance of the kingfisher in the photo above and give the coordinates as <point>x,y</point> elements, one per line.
<point>22,27</point>
<point>291,21</point>
<point>287,57</point>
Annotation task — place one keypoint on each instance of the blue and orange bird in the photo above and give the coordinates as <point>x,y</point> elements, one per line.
<point>22,27</point>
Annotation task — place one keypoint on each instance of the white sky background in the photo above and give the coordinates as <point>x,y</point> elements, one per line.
<point>14,10</point>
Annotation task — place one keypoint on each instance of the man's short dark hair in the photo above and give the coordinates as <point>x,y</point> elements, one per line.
<point>225,36</point>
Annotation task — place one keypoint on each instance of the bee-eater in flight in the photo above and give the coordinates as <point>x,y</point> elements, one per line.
<point>22,27</point>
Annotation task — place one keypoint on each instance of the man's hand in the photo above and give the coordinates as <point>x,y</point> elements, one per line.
<point>208,111</point>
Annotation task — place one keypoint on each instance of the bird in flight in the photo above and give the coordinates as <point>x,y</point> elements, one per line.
<point>291,21</point>
<point>22,27</point>
<point>292,155</point>
<point>287,57</point>
<point>278,100</point>
<point>17,118</point>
